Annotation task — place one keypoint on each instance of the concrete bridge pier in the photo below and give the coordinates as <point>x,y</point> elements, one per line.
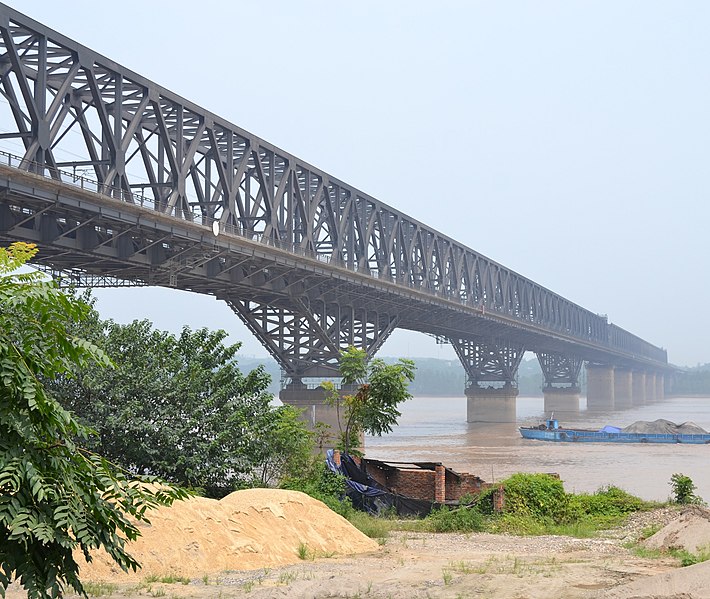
<point>600,387</point>
<point>491,404</point>
<point>660,387</point>
<point>623,388</point>
<point>314,408</point>
<point>638,388</point>
<point>650,387</point>
<point>561,400</point>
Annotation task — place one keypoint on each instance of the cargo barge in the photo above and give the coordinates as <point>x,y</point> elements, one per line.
<point>687,432</point>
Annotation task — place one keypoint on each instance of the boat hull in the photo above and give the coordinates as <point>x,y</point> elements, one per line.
<point>567,435</point>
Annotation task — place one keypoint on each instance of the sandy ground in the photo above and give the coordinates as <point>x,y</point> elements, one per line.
<point>414,565</point>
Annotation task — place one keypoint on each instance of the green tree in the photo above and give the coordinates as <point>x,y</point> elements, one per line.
<point>373,409</point>
<point>179,407</point>
<point>55,496</point>
<point>286,449</point>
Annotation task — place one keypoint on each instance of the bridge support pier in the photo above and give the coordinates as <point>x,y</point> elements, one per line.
<point>600,387</point>
<point>491,404</point>
<point>489,362</point>
<point>650,386</point>
<point>623,388</point>
<point>561,390</point>
<point>660,387</point>
<point>312,404</point>
<point>561,400</point>
<point>638,388</point>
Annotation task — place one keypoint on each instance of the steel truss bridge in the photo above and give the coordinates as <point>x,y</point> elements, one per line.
<point>120,181</point>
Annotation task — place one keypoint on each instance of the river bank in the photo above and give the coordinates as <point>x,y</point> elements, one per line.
<point>426,565</point>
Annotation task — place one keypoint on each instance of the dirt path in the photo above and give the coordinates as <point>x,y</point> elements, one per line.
<point>416,565</point>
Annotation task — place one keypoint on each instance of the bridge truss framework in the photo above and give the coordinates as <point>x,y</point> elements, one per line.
<point>308,262</point>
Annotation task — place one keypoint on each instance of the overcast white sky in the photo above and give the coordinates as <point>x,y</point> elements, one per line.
<point>568,140</point>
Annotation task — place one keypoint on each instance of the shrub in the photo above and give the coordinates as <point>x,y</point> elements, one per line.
<point>607,501</point>
<point>322,484</point>
<point>684,490</point>
<point>540,495</point>
<point>463,519</point>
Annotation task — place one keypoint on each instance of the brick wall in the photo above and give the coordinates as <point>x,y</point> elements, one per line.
<point>421,483</point>
<point>459,485</point>
<point>418,484</point>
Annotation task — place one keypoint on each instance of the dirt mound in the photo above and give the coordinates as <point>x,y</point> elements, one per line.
<point>683,583</point>
<point>690,531</point>
<point>665,427</point>
<point>255,528</point>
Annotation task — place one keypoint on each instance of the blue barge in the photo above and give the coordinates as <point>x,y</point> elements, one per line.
<point>551,431</point>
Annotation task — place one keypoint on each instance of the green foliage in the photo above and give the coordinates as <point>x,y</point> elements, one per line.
<point>520,524</point>
<point>55,496</point>
<point>285,448</point>
<point>373,408</point>
<point>540,495</point>
<point>684,490</point>
<point>322,484</point>
<point>462,519</point>
<point>607,506</point>
<point>537,504</point>
<point>179,407</point>
<point>353,366</point>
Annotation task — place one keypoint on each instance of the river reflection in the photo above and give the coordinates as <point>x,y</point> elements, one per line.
<point>435,429</point>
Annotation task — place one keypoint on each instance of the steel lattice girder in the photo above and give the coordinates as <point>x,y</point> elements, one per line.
<point>149,148</point>
<point>487,360</point>
<point>560,369</point>
<point>306,340</point>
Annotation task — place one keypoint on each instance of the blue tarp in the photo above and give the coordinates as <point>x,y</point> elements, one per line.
<point>610,429</point>
<point>368,495</point>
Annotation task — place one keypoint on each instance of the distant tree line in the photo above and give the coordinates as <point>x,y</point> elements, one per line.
<point>435,377</point>
<point>695,381</point>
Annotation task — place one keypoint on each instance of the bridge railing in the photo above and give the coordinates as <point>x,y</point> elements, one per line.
<point>91,185</point>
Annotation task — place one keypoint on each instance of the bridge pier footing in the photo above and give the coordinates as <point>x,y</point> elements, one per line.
<point>491,404</point>
<point>561,400</point>
<point>600,387</point>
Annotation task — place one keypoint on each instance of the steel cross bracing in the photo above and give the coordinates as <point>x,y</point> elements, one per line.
<point>488,361</point>
<point>120,179</point>
<point>560,370</point>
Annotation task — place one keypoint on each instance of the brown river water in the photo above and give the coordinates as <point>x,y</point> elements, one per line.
<point>434,429</point>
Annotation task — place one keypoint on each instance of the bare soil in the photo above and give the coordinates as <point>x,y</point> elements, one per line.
<point>419,565</point>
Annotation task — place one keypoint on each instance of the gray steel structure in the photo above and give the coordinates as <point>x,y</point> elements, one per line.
<point>308,262</point>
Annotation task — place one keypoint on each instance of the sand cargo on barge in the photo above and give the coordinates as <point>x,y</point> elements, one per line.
<point>658,431</point>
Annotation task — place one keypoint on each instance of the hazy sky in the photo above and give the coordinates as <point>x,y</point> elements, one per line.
<point>568,140</point>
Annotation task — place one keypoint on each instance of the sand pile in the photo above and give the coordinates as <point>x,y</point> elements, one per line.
<point>664,427</point>
<point>692,582</point>
<point>690,531</point>
<point>255,528</point>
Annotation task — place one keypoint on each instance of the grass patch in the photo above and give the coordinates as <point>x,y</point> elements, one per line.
<point>375,528</point>
<point>303,552</point>
<point>99,589</point>
<point>167,579</point>
<point>684,557</point>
